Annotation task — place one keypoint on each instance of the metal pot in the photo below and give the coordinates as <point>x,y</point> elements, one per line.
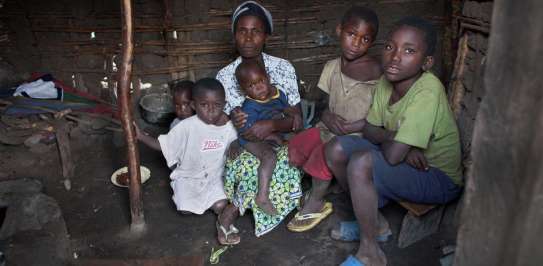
<point>157,108</point>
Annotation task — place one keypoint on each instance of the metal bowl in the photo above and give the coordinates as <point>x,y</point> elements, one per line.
<point>157,108</point>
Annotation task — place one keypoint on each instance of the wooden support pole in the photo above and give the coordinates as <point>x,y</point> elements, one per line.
<point>136,201</point>
<point>63,143</point>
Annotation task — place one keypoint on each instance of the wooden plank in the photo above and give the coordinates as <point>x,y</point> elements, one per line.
<point>416,228</point>
<point>416,209</point>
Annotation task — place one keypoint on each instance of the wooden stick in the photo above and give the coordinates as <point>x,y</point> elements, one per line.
<point>457,89</point>
<point>143,28</point>
<point>68,116</point>
<point>473,21</point>
<point>466,25</point>
<point>136,201</point>
<point>63,143</point>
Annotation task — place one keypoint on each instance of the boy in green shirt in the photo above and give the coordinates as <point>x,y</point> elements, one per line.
<point>410,149</point>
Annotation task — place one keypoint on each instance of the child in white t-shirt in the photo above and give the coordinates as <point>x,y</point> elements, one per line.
<point>196,149</point>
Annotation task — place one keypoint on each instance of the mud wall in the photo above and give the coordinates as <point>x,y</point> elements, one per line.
<point>471,27</point>
<point>8,74</point>
<point>79,41</point>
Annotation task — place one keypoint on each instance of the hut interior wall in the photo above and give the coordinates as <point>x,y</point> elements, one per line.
<point>79,41</point>
<point>466,91</point>
<point>501,218</point>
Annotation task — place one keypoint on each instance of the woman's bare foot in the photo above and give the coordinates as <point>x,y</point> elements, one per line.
<point>265,204</point>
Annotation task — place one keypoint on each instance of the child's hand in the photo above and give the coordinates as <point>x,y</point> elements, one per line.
<point>335,123</point>
<point>259,130</point>
<point>353,127</point>
<point>234,150</point>
<point>238,117</point>
<point>415,157</point>
<point>296,114</point>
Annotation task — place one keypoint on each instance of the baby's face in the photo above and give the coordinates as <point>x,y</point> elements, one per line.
<point>182,104</point>
<point>256,85</point>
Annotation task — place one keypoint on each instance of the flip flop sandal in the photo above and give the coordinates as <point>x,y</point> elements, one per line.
<point>352,261</point>
<point>350,231</point>
<point>231,230</point>
<point>216,254</point>
<point>315,219</point>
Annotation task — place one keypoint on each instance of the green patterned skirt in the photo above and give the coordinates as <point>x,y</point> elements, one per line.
<point>241,186</point>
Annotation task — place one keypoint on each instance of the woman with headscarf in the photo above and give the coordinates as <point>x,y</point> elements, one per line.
<point>251,26</point>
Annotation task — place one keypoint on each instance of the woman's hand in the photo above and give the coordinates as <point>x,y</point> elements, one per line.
<point>415,157</point>
<point>259,131</point>
<point>297,123</point>
<point>334,122</point>
<point>238,117</point>
<point>296,115</point>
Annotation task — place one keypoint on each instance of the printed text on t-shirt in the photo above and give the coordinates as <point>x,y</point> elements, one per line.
<point>211,144</point>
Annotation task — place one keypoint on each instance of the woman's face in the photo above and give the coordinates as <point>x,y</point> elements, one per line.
<point>250,36</point>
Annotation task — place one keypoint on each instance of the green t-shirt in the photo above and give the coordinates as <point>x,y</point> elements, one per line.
<point>423,119</point>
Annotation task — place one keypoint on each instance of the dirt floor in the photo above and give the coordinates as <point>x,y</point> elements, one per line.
<point>97,216</point>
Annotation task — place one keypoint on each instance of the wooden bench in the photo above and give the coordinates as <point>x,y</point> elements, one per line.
<point>417,209</point>
<point>420,221</point>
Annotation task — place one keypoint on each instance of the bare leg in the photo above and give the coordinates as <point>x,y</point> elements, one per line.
<point>265,153</point>
<point>337,160</point>
<point>275,138</point>
<point>315,202</point>
<point>364,199</point>
<point>218,206</point>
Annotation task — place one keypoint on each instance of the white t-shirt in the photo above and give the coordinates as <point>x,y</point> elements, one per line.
<point>198,153</point>
<point>175,122</point>
<point>282,76</point>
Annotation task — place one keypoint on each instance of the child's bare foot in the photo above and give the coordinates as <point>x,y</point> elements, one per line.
<point>265,204</point>
<point>227,233</point>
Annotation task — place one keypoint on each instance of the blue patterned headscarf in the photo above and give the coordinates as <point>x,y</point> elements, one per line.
<point>252,8</point>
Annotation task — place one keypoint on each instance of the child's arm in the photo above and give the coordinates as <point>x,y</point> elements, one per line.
<point>393,151</point>
<point>334,122</point>
<point>146,139</point>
